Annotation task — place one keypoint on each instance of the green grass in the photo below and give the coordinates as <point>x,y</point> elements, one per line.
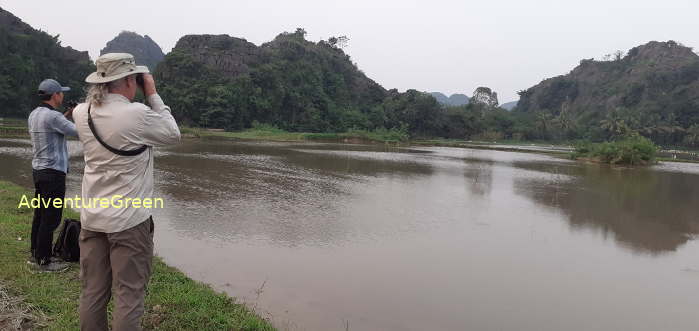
<point>173,301</point>
<point>13,128</point>
<point>267,132</point>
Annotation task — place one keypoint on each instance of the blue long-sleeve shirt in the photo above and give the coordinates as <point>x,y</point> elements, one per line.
<point>48,128</point>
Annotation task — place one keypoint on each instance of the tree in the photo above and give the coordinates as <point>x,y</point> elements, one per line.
<point>692,136</point>
<point>618,55</point>
<point>615,126</point>
<point>342,41</point>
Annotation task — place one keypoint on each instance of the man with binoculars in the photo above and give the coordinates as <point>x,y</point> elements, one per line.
<point>118,136</point>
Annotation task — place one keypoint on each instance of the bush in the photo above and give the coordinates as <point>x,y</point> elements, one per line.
<point>266,127</point>
<point>632,150</point>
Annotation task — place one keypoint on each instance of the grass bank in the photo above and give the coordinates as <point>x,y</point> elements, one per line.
<point>173,301</point>
<point>266,132</point>
<point>504,146</point>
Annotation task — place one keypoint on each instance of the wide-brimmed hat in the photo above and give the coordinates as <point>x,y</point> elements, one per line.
<point>112,66</point>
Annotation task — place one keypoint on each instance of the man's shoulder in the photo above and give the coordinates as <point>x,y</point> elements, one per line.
<point>80,109</point>
<point>38,110</point>
<point>138,106</point>
<point>43,114</point>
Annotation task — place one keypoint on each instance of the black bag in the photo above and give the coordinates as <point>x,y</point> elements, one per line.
<point>67,246</point>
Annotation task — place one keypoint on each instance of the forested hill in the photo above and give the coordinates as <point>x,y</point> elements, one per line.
<point>653,90</point>
<point>27,56</point>
<point>222,81</point>
<point>298,85</point>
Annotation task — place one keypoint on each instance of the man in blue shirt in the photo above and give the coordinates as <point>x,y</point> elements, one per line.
<point>48,129</point>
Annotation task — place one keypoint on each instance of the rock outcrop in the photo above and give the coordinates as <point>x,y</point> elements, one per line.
<point>485,96</point>
<point>145,51</point>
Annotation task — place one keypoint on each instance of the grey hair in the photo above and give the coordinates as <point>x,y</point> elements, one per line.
<point>96,93</point>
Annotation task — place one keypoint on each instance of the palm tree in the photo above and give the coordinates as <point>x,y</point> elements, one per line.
<point>543,123</point>
<point>692,136</point>
<point>615,125</point>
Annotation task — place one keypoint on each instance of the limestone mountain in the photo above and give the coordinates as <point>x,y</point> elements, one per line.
<point>223,81</point>
<point>145,51</point>
<point>509,105</point>
<point>653,90</point>
<point>452,100</point>
<point>27,56</point>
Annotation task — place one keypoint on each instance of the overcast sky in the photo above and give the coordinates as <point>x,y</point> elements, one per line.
<point>436,45</point>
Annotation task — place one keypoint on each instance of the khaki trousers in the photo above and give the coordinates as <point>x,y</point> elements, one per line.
<point>115,262</point>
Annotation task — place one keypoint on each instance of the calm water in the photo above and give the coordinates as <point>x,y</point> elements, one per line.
<point>316,236</point>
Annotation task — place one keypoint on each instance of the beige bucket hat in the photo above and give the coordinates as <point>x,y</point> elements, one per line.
<point>112,66</point>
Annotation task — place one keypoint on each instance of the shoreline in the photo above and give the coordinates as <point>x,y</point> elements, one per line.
<point>377,138</point>
<point>173,300</point>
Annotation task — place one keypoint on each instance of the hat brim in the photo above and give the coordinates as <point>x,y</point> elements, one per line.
<point>65,88</point>
<point>96,78</point>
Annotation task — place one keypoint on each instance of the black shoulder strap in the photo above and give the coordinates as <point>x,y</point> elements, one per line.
<point>132,152</point>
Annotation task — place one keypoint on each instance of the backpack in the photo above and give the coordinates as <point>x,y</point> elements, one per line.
<point>67,247</point>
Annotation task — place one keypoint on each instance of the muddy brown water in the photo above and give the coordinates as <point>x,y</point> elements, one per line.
<point>321,236</point>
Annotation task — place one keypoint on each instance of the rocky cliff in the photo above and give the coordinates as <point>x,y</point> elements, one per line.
<point>145,51</point>
<point>485,96</point>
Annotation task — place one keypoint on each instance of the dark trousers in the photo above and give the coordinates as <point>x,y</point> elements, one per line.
<point>49,184</point>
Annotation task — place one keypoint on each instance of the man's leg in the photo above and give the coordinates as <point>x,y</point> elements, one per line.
<point>131,259</point>
<point>53,186</point>
<point>37,215</point>
<point>96,279</point>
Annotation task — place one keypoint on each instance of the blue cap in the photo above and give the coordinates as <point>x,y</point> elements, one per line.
<point>50,86</point>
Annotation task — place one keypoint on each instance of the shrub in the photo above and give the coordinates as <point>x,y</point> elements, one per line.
<point>632,150</point>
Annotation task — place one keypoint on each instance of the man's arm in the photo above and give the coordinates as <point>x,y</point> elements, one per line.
<point>63,125</point>
<point>159,127</point>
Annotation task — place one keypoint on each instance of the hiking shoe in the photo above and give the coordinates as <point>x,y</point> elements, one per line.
<point>32,260</point>
<point>52,267</point>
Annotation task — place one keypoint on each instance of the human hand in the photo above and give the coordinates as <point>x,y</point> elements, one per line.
<point>69,109</point>
<point>148,85</point>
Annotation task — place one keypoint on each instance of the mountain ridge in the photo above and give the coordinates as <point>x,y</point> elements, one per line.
<point>456,99</point>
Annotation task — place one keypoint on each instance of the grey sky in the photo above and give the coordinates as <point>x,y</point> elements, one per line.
<point>437,45</point>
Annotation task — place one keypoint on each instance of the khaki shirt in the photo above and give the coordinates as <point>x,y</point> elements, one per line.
<point>123,125</point>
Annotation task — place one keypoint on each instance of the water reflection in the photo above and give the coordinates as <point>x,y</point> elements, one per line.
<point>479,178</point>
<point>644,210</point>
<point>282,193</point>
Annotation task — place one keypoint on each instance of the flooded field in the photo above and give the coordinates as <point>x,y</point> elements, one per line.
<point>321,236</point>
